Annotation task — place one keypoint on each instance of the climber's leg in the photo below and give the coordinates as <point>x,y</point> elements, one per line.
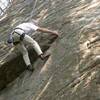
<point>36,47</point>
<point>24,52</point>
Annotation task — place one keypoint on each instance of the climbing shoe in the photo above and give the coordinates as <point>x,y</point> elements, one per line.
<point>44,56</point>
<point>30,68</point>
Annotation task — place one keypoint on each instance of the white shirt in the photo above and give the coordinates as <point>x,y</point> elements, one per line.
<point>28,28</point>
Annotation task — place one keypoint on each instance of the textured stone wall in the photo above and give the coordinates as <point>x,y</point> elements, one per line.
<point>72,71</point>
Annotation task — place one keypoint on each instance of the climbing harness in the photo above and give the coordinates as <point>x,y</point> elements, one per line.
<point>31,15</point>
<point>19,37</point>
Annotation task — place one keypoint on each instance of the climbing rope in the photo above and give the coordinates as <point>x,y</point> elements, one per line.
<point>33,9</point>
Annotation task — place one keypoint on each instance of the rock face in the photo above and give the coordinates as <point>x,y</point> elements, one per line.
<point>72,71</point>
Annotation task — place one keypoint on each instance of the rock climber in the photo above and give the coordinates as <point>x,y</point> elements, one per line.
<point>20,35</point>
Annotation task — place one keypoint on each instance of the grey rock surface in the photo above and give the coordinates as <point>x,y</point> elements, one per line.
<point>72,71</point>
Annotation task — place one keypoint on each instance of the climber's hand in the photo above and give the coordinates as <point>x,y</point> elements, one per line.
<point>56,33</point>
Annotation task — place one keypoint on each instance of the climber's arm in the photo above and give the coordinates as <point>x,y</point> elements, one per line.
<point>47,31</point>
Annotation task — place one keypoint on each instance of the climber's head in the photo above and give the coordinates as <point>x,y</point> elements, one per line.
<point>34,21</point>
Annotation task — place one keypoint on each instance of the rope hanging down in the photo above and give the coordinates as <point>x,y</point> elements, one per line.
<point>33,9</point>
